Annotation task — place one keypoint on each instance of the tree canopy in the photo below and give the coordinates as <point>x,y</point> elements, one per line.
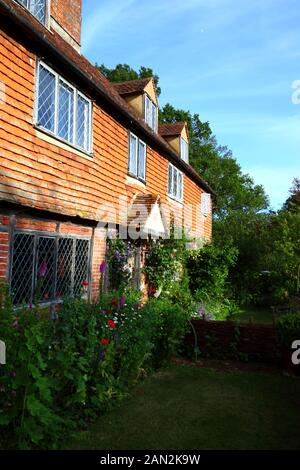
<point>123,73</point>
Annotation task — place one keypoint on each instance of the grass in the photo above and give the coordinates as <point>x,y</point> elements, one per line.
<point>184,407</point>
<point>258,315</point>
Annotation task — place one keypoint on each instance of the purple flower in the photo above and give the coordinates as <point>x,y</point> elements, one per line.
<point>15,324</point>
<point>123,301</point>
<point>103,267</point>
<point>43,269</point>
<point>202,312</point>
<point>13,375</point>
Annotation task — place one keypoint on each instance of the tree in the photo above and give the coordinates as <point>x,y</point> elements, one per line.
<point>294,200</point>
<point>123,73</point>
<point>216,164</point>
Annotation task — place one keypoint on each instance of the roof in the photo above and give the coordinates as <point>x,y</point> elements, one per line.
<point>144,214</point>
<point>64,55</point>
<point>132,86</point>
<point>166,130</point>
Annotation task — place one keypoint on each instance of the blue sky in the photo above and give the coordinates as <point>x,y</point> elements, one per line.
<point>232,61</point>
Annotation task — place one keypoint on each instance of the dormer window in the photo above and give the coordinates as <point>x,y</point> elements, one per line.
<point>150,113</point>
<point>184,150</point>
<point>37,8</point>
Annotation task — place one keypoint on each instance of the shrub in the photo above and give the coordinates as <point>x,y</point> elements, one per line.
<point>170,325</point>
<point>288,327</point>
<point>62,371</point>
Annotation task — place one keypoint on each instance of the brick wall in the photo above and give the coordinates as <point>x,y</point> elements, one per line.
<point>98,255</point>
<point>67,13</point>
<point>4,246</point>
<point>258,342</point>
<point>11,222</point>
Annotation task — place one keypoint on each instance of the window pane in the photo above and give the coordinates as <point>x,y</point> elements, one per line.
<point>205,203</point>
<point>154,114</point>
<point>81,265</point>
<point>148,111</point>
<point>142,161</point>
<point>133,155</point>
<point>38,9</point>
<point>46,99</point>
<point>65,112</point>
<point>45,269</point>
<point>83,123</point>
<point>175,182</point>
<point>22,269</point>
<point>184,150</point>
<point>64,267</point>
<point>170,180</point>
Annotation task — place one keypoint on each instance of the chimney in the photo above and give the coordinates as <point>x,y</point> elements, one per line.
<point>66,20</point>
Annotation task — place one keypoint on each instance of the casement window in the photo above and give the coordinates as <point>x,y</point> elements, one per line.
<point>184,150</point>
<point>175,183</point>
<point>150,113</point>
<point>62,110</point>
<point>47,268</point>
<point>205,204</point>
<point>37,8</point>
<point>137,157</point>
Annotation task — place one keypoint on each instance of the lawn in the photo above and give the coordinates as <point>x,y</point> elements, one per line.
<point>258,315</point>
<point>184,407</point>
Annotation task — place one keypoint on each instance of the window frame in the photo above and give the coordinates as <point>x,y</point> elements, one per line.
<point>36,235</point>
<point>184,143</point>
<point>177,197</point>
<point>152,106</point>
<point>206,207</point>
<point>59,78</point>
<point>138,142</point>
<point>47,12</point>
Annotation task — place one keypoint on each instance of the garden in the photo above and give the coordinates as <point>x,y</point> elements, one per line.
<point>71,367</point>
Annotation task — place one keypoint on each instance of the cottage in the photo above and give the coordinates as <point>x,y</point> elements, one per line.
<point>79,157</point>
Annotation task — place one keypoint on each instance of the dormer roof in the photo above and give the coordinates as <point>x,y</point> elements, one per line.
<point>132,86</point>
<point>170,130</point>
<point>137,87</point>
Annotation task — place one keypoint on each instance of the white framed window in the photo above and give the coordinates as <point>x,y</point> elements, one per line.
<point>62,110</point>
<point>184,150</point>
<point>205,204</point>
<point>175,183</point>
<point>37,8</point>
<point>137,157</point>
<point>150,113</point>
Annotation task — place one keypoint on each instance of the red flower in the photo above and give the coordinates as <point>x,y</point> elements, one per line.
<point>85,283</point>
<point>153,290</point>
<point>115,302</point>
<point>104,342</point>
<point>111,324</point>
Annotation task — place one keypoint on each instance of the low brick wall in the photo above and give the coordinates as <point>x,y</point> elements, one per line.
<point>222,339</point>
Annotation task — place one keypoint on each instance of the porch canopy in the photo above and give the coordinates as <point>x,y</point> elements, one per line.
<point>144,217</point>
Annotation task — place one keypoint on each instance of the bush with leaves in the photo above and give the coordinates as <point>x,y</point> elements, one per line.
<point>61,372</point>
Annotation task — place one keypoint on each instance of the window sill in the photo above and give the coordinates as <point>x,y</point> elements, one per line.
<point>133,180</point>
<point>54,140</point>
<point>174,201</point>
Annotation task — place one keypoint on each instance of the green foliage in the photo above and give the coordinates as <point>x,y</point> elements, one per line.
<point>165,262</point>
<point>216,164</point>
<point>208,270</point>
<point>61,372</point>
<point>124,73</point>
<point>119,254</point>
<point>171,324</point>
<point>288,327</point>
